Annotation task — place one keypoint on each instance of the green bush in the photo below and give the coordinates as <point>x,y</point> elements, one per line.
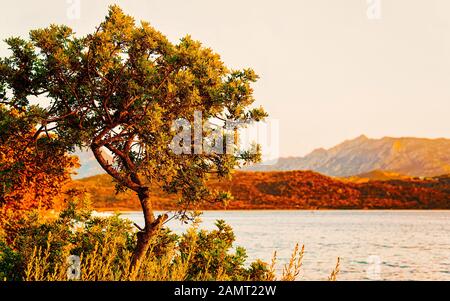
<point>39,247</point>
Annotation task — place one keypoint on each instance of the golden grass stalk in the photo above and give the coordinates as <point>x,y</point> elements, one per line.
<point>335,272</point>
<point>292,269</point>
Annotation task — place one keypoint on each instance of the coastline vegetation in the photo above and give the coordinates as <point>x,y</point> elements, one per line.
<point>117,92</point>
<point>120,92</point>
<point>39,246</point>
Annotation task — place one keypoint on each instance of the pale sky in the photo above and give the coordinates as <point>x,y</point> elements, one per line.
<point>328,72</point>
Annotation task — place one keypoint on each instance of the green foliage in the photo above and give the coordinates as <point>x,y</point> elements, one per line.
<point>39,249</point>
<point>121,88</point>
<point>212,258</point>
<point>75,231</point>
<point>10,263</point>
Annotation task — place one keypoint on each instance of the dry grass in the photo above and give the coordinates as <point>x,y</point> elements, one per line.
<point>102,265</point>
<point>105,263</point>
<point>335,272</point>
<point>292,269</point>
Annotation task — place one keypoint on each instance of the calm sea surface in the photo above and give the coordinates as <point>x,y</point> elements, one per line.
<point>385,245</point>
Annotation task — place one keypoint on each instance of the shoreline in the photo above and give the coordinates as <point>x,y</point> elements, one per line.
<point>281,210</point>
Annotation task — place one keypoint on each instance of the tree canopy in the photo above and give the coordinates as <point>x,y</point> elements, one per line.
<point>119,90</point>
<point>33,166</point>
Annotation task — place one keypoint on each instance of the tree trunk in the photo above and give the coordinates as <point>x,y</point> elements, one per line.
<point>145,235</point>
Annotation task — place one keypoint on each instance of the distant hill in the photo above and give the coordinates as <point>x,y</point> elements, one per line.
<point>377,175</point>
<point>417,157</point>
<point>289,190</point>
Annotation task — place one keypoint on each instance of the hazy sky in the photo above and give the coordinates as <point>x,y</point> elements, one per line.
<point>328,71</point>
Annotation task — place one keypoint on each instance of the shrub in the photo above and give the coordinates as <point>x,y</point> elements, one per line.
<point>39,250</point>
<point>39,247</point>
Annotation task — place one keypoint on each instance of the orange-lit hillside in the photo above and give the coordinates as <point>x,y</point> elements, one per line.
<point>290,190</point>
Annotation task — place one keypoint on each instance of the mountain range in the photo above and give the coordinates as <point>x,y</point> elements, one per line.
<point>363,157</point>
<point>416,157</point>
